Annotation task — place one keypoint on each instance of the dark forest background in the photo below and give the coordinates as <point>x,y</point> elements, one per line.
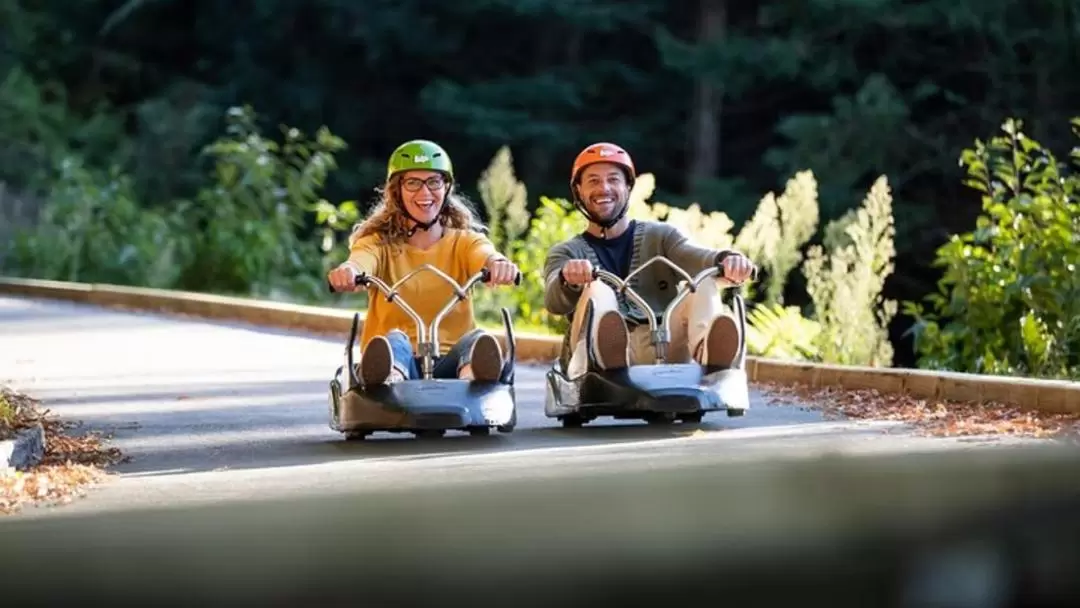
<point>722,101</point>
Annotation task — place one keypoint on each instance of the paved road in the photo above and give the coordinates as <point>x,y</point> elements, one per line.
<point>212,412</point>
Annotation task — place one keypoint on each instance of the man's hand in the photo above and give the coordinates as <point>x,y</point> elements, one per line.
<point>737,267</point>
<point>343,278</point>
<point>501,271</point>
<point>578,272</point>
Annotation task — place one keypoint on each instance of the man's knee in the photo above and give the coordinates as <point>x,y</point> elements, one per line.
<point>599,295</point>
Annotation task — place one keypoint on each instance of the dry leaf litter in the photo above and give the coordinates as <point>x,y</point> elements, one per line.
<point>932,417</point>
<point>73,462</point>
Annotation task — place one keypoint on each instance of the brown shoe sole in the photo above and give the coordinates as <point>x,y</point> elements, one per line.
<point>612,341</point>
<point>723,342</point>
<point>486,360</point>
<point>376,362</point>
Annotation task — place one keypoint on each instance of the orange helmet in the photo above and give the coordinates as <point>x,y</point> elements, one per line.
<point>602,152</point>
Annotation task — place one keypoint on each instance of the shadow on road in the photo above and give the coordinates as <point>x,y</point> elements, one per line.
<point>174,427</point>
<point>267,447</point>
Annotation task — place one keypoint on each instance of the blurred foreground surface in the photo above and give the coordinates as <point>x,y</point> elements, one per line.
<point>980,528</point>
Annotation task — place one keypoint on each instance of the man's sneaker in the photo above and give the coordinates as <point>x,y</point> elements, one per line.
<point>486,359</point>
<point>376,362</point>
<point>610,340</point>
<point>721,344</point>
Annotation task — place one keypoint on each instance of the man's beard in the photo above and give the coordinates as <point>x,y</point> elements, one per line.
<point>605,211</point>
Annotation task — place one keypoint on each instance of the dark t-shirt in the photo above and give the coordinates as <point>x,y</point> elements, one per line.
<point>614,253</point>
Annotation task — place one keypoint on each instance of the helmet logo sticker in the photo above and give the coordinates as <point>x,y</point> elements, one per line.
<point>606,152</point>
<point>421,158</point>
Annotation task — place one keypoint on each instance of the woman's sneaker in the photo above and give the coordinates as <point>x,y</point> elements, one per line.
<point>486,359</point>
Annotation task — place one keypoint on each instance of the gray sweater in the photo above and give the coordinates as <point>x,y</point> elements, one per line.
<point>656,284</point>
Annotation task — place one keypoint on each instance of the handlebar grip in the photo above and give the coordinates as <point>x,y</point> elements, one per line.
<point>485,276</point>
<point>753,272</point>
<point>360,280</point>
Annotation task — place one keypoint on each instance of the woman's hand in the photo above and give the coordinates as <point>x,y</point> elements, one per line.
<point>501,271</point>
<point>343,278</point>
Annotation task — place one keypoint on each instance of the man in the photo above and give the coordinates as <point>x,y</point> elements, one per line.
<point>607,331</point>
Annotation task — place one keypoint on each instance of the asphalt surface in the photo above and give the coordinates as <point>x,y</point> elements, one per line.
<point>213,412</point>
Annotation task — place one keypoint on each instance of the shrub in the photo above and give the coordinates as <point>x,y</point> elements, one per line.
<point>781,332</point>
<point>1009,300</point>
<point>555,220</point>
<point>92,229</point>
<point>248,219</point>
<point>505,201</point>
<point>845,285</point>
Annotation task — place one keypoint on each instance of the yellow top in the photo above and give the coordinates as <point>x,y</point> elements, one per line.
<point>459,253</point>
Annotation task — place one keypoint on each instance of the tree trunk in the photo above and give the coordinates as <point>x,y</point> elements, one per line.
<point>708,99</point>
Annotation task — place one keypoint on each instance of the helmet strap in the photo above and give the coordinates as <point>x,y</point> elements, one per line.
<point>418,225</point>
<point>603,224</point>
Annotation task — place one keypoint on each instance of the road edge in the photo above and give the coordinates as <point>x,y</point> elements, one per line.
<point>1051,396</point>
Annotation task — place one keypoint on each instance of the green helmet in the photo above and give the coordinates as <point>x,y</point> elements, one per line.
<point>419,154</point>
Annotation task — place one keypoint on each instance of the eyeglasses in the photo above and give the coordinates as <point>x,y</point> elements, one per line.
<point>412,184</point>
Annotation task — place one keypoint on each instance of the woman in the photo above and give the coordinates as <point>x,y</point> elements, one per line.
<point>422,219</point>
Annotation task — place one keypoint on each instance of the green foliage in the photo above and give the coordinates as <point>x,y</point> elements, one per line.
<point>241,233</point>
<point>1009,300</point>
<point>505,201</point>
<point>7,413</point>
<point>335,220</point>
<point>92,229</point>
<point>38,132</point>
<point>171,129</point>
<point>846,284</point>
<point>248,220</point>
<point>554,221</point>
<point>782,332</point>
<point>778,230</point>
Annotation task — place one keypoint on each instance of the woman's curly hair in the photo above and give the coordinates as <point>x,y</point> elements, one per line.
<point>389,222</point>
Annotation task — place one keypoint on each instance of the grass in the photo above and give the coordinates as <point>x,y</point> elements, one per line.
<point>7,417</point>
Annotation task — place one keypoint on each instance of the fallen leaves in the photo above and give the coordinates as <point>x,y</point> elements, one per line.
<point>71,464</point>
<point>929,416</point>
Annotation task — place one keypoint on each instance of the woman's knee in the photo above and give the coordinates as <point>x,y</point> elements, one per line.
<point>400,344</point>
<point>466,341</point>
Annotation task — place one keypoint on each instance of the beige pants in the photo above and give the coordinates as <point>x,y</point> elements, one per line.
<point>690,323</point>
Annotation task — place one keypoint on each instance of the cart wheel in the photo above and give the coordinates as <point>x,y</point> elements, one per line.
<point>429,433</point>
<point>509,426</point>
<point>356,435</point>
<point>692,418</point>
<point>659,419</point>
<point>733,412</point>
<point>572,421</point>
<point>480,431</point>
